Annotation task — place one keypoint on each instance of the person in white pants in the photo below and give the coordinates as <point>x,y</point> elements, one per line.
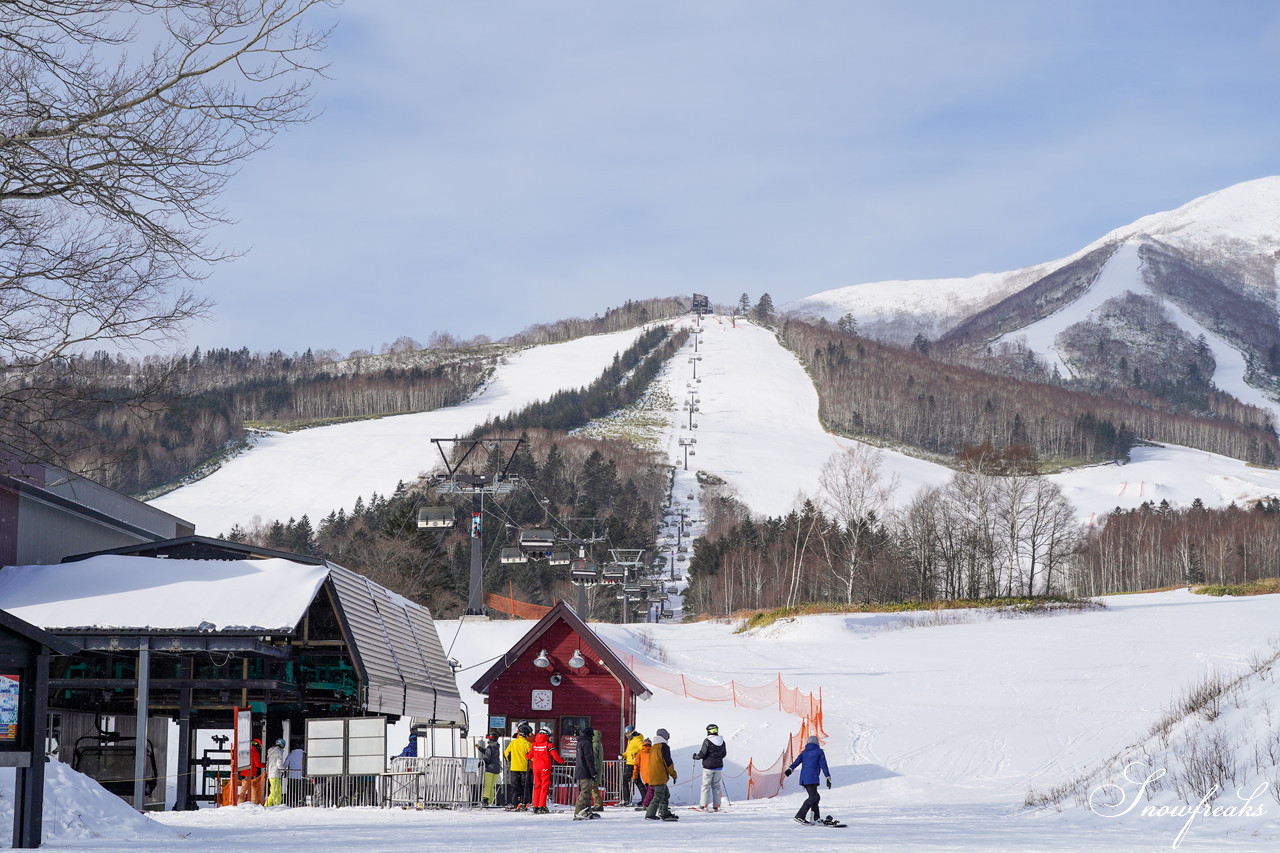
<point>711,754</point>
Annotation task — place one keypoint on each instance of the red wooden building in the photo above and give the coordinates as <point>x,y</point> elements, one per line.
<point>563,676</point>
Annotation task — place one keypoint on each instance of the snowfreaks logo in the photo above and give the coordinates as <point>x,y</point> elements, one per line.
<point>1119,799</point>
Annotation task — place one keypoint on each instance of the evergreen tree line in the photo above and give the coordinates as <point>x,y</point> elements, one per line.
<point>622,384</point>
<point>901,395</point>
<point>582,488</point>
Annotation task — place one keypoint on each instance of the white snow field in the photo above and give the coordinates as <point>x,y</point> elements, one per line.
<point>935,735</point>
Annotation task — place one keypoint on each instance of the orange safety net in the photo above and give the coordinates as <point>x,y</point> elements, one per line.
<point>762,782</point>
<point>514,607</point>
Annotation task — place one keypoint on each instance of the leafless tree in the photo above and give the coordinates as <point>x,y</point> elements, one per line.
<point>120,123</point>
<point>856,493</point>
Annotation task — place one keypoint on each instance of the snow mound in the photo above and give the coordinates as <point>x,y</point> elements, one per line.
<point>77,808</point>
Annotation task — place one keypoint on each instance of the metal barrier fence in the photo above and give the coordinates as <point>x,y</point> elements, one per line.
<point>434,782</point>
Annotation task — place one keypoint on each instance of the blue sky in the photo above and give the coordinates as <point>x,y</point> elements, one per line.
<point>482,166</point>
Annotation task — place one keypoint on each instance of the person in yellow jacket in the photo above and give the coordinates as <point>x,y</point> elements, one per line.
<point>517,754</point>
<point>661,770</point>
<point>635,740</point>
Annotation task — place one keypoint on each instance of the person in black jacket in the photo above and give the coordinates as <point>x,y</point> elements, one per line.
<point>584,770</point>
<point>491,756</point>
<point>711,754</point>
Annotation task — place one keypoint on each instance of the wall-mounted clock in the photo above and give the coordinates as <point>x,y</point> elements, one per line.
<point>541,700</point>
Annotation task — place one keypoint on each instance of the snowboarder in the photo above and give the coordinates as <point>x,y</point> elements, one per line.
<point>814,762</point>
<point>491,756</point>
<point>541,754</point>
<point>711,754</point>
<point>584,770</point>
<point>661,770</point>
<point>517,754</point>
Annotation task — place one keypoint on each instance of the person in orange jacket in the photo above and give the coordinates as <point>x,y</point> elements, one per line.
<point>661,771</point>
<point>541,754</point>
<point>641,774</point>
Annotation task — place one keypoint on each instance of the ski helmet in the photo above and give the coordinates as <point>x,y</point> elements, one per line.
<point>279,741</point>
<point>491,736</point>
<point>713,729</point>
<point>525,729</point>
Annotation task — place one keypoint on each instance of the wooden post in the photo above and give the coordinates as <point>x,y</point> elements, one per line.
<point>140,740</point>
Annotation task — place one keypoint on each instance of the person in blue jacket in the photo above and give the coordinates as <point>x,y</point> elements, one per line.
<point>813,761</point>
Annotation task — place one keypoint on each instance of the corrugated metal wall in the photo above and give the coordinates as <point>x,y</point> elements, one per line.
<point>397,651</point>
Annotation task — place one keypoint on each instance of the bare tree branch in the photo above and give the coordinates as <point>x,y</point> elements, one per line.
<point>120,124</point>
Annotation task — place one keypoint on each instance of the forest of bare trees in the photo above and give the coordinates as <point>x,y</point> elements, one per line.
<point>902,396</point>
<point>1157,546</point>
<point>997,529</point>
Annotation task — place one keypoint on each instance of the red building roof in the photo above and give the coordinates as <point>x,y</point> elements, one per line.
<point>591,642</point>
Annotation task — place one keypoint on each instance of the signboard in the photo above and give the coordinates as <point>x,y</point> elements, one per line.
<point>10,705</point>
<point>244,737</point>
<point>350,746</point>
<point>497,724</point>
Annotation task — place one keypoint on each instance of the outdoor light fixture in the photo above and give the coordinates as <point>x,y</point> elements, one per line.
<point>542,660</point>
<point>577,661</point>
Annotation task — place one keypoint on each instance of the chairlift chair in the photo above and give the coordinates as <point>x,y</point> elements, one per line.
<point>613,574</point>
<point>512,555</point>
<point>560,558</point>
<point>584,571</point>
<point>436,517</point>
<point>537,539</point>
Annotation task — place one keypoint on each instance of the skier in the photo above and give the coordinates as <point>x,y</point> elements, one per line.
<point>635,740</point>
<point>275,773</point>
<point>814,761</point>
<point>661,770</point>
<point>492,758</point>
<point>584,770</point>
<point>711,754</point>
<point>541,754</point>
<point>517,754</point>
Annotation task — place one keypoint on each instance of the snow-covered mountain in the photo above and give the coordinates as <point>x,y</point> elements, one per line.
<point>1144,293</point>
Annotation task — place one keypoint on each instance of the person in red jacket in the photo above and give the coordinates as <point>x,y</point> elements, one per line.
<point>251,776</point>
<point>541,754</point>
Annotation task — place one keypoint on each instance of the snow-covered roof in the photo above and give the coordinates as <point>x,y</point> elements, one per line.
<point>145,593</point>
